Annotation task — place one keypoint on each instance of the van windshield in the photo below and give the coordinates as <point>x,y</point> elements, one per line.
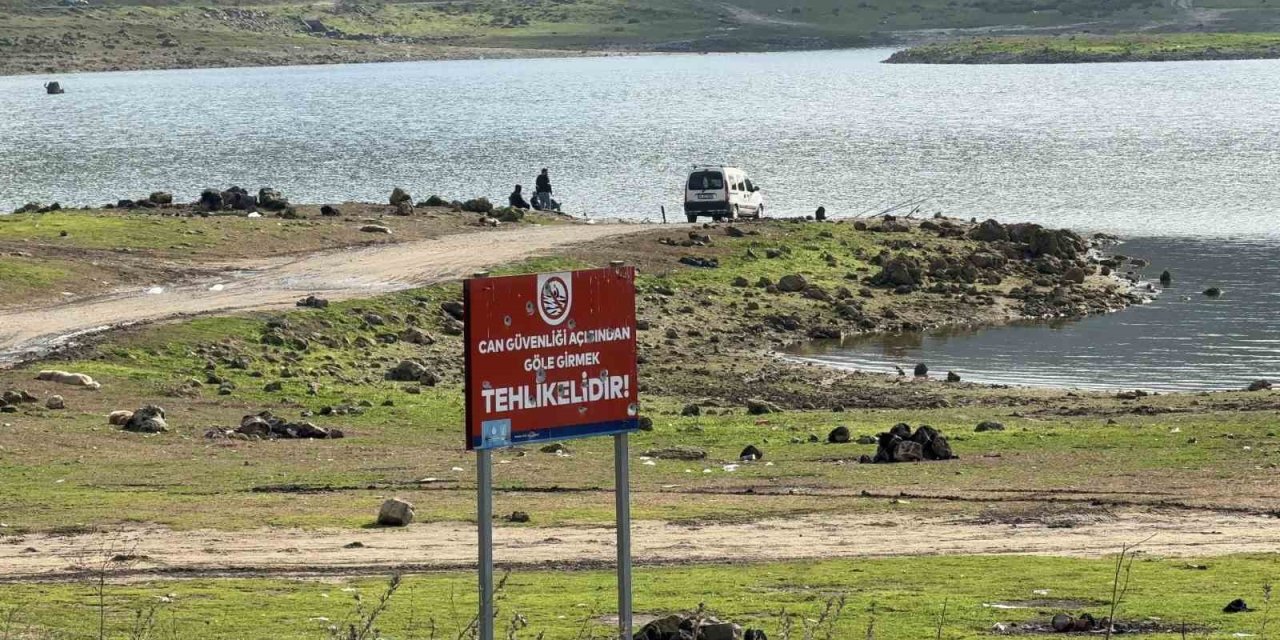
<point>705,180</point>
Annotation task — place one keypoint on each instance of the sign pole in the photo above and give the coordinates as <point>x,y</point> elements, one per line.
<point>484,516</point>
<point>622,497</point>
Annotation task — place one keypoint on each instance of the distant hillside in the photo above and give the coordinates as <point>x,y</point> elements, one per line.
<point>47,36</point>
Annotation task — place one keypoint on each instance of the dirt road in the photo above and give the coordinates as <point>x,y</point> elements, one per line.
<point>452,545</point>
<point>278,283</point>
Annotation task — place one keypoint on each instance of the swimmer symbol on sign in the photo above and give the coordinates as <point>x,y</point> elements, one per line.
<point>555,296</point>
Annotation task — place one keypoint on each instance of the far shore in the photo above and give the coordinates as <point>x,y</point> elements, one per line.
<point>1084,48</point>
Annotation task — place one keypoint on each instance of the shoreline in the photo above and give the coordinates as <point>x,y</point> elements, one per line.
<point>1094,49</point>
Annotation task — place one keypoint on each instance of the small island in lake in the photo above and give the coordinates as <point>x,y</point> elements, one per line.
<point>1095,48</point>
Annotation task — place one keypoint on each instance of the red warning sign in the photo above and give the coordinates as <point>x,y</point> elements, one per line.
<point>550,356</point>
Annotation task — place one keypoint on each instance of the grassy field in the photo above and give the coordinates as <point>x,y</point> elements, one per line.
<point>1061,456</point>
<point>896,598</point>
<point>404,432</point>
<point>85,252</point>
<point>37,38</point>
<point>1090,48</point>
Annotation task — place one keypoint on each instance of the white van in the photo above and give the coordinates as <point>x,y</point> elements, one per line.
<point>721,193</point>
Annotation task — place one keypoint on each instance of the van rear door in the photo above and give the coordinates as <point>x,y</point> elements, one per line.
<point>706,186</point>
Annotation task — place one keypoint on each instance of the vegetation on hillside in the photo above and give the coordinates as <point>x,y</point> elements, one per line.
<point>43,37</point>
<point>1093,48</point>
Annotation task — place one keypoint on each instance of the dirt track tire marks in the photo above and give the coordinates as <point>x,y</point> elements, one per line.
<point>337,275</point>
<point>446,546</point>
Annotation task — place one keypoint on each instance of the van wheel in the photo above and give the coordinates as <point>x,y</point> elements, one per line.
<point>692,217</point>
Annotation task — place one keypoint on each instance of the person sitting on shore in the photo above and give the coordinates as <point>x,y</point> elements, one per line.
<point>517,201</point>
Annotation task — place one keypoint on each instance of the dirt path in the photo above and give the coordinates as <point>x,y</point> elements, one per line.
<point>451,545</point>
<point>277,283</point>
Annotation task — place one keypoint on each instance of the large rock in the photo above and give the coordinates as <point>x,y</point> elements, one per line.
<point>750,453</point>
<point>1259,385</point>
<point>793,283</point>
<point>454,308</point>
<point>375,228</point>
<point>148,419</point>
<point>989,231</point>
<point>988,425</point>
<point>756,407</point>
<point>407,371</point>
<point>478,205</point>
<point>210,200</point>
<point>908,451</point>
<point>55,403</point>
<point>161,197</point>
<point>272,200</point>
<point>899,271</point>
<point>399,195</point>
<point>395,513</point>
<point>838,435</point>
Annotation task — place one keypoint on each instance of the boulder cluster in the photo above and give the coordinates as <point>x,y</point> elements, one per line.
<point>695,627</point>
<point>265,426</point>
<point>900,444</point>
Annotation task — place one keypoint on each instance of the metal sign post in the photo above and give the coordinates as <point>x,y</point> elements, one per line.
<point>484,516</point>
<point>549,357</point>
<point>622,517</point>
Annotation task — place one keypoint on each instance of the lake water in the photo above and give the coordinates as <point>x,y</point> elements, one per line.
<point>1185,156</point>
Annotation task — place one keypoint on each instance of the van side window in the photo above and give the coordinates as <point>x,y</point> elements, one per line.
<point>748,184</point>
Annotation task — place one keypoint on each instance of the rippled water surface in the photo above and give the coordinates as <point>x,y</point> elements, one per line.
<point>1183,158</point>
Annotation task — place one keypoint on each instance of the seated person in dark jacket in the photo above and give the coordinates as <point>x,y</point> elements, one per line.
<point>516,200</point>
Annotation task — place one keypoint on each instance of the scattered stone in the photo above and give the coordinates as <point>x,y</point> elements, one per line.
<point>706,263</point>
<point>953,376</point>
<point>414,335</point>
<point>375,228</point>
<point>646,423</point>
<point>677,453</point>
<point>1236,606</point>
<point>988,425</point>
<point>867,440</point>
<point>330,211</point>
<point>838,435</point>
<point>691,411</point>
<point>792,283</point>
<point>478,205</point>
<point>160,197</point>
<point>313,302</point>
<point>1213,292</point>
<point>554,447</point>
<point>750,454</point>
<point>454,308</point>
<point>922,370</point>
<point>119,418</point>
<point>407,371</point>
<point>519,517</point>
<point>1259,385</point>
<point>148,419</point>
<point>1166,278</point>
<point>73,379</point>
<point>395,513</point>
<point>55,403</point>
<point>756,407</point>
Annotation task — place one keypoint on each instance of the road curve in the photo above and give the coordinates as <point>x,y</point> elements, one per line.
<point>336,275</point>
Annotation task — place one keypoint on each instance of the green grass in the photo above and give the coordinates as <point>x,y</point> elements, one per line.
<point>904,597</point>
<point>20,278</point>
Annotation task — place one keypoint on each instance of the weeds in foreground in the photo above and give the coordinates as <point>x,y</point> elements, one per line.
<point>1119,586</point>
<point>1266,610</point>
<point>821,628</point>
